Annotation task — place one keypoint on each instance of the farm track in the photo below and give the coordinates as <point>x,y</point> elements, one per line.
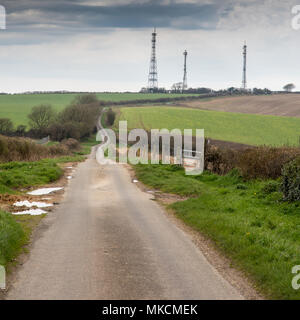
<point>108,240</point>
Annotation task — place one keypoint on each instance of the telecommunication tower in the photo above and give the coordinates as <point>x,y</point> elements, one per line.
<point>244,84</point>
<point>184,82</point>
<point>152,79</point>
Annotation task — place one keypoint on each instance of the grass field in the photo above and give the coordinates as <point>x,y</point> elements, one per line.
<point>17,107</point>
<point>236,127</point>
<point>245,220</point>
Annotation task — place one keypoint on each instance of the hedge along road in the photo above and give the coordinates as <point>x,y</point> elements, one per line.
<point>108,240</point>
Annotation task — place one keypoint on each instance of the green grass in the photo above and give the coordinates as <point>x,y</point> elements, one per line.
<point>236,127</point>
<point>12,238</point>
<point>252,226</point>
<point>17,107</point>
<point>14,175</point>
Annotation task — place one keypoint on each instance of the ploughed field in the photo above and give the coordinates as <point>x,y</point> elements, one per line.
<point>277,104</point>
<point>18,106</point>
<point>242,128</point>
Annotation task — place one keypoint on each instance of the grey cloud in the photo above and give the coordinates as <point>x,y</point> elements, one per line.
<point>135,14</point>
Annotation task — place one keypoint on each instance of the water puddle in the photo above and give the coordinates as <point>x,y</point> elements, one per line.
<point>43,191</point>
<point>32,212</point>
<point>28,204</point>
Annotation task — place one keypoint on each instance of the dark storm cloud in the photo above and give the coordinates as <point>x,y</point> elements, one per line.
<point>72,14</point>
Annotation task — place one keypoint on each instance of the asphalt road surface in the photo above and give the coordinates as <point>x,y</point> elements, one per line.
<point>109,240</point>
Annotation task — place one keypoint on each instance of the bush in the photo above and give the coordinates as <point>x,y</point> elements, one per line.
<point>110,117</point>
<point>253,163</point>
<point>270,187</point>
<point>20,149</point>
<point>219,161</point>
<point>41,117</point>
<point>78,120</point>
<point>6,126</point>
<point>290,185</point>
<point>264,162</point>
<point>71,144</point>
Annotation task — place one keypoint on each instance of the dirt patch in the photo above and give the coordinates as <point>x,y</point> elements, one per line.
<point>228,145</point>
<point>277,104</point>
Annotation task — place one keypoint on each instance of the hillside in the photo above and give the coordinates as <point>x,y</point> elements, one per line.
<point>278,105</point>
<point>248,129</point>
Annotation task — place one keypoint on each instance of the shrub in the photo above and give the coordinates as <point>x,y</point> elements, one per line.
<point>20,149</point>
<point>290,185</point>
<point>219,161</point>
<point>264,162</point>
<point>71,144</point>
<point>41,117</point>
<point>110,117</point>
<point>6,126</point>
<point>270,187</point>
<point>253,163</point>
<point>79,119</point>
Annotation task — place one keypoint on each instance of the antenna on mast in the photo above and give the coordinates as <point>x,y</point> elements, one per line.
<point>244,83</point>
<point>184,82</point>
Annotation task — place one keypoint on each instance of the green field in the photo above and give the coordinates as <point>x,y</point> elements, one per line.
<point>236,127</point>
<point>18,106</point>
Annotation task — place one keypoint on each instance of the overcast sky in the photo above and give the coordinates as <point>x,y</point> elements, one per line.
<point>99,45</point>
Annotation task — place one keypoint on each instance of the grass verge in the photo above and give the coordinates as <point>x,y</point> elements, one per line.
<point>246,220</point>
<point>12,237</point>
<point>15,231</point>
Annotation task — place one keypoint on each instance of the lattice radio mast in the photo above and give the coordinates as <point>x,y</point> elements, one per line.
<point>184,82</point>
<point>152,79</point>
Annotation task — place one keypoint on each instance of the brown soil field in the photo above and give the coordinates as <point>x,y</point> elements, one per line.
<point>278,104</point>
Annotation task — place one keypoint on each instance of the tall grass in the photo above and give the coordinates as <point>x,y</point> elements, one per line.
<point>20,149</point>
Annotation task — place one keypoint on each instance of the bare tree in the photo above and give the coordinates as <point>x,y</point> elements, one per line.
<point>41,117</point>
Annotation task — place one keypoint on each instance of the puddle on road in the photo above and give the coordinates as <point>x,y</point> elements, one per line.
<point>32,212</point>
<point>43,191</point>
<point>29,204</point>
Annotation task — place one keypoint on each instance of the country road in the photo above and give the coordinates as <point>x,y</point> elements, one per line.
<point>108,240</point>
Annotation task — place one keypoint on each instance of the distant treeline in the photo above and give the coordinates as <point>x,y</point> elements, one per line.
<point>78,120</point>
